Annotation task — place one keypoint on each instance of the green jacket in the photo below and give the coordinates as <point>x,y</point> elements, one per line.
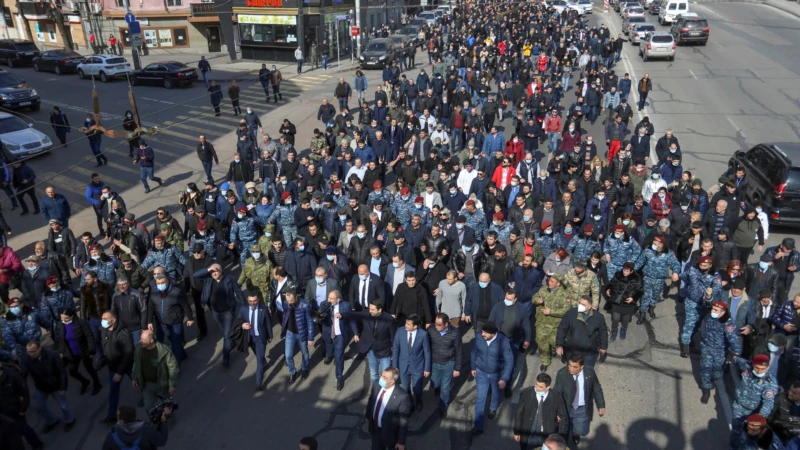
<point>256,275</point>
<point>139,279</point>
<point>558,302</point>
<point>167,367</point>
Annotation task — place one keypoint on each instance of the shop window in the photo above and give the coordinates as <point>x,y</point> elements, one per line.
<point>265,34</point>
<point>180,37</point>
<point>165,38</point>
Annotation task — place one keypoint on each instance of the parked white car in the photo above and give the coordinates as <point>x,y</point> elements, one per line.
<point>20,138</point>
<point>104,67</point>
<point>582,6</point>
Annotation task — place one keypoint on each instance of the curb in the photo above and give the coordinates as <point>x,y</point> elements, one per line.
<point>784,6</point>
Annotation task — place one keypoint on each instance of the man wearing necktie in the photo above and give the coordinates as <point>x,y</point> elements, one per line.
<point>540,413</point>
<point>580,389</point>
<point>259,331</point>
<point>336,333</point>
<point>387,413</point>
<point>411,354</point>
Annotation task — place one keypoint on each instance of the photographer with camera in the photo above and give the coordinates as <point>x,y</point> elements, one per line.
<point>155,369</point>
<point>138,434</point>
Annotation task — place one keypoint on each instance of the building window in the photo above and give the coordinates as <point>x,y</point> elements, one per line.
<point>159,37</point>
<point>267,34</point>
<point>51,32</point>
<point>174,2</point>
<point>120,3</point>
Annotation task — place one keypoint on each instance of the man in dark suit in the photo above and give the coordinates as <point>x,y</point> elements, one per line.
<point>336,333</point>
<point>580,389</point>
<point>387,413</point>
<point>481,298</point>
<point>492,365</point>
<point>259,330</point>
<point>376,337</point>
<point>364,288</point>
<point>540,413</point>
<point>319,288</point>
<point>514,321</point>
<point>411,354</point>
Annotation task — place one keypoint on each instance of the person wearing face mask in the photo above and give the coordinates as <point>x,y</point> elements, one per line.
<point>33,281</point>
<point>701,285</point>
<point>513,321</point>
<point>656,263</point>
<point>782,362</point>
<point>756,392</point>
<point>19,326</point>
<point>582,330</point>
<point>653,185</point>
<point>283,217</point>
<point>661,203</point>
<point>761,275</point>
<point>145,157</point>
<point>551,305</point>
<point>718,333</point>
<point>129,124</point>
<point>541,414</point>
<point>76,344</point>
<point>620,247</point>
<point>388,410</point>
<point>54,298</point>
<point>664,146</point>
<point>95,137</point>
<point>583,245</point>
<point>256,274</point>
<point>492,364</point>
<point>169,304</point>
<point>786,260</point>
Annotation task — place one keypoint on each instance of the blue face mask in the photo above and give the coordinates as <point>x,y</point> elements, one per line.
<point>715,315</point>
<point>96,257</point>
<point>662,196</point>
<point>301,248</point>
<point>468,249</point>
<point>684,208</point>
<point>241,216</point>
<point>33,269</point>
<point>382,383</point>
<point>16,310</point>
<point>361,235</point>
<point>626,222</point>
<point>482,284</point>
<point>526,218</point>
<point>395,265</point>
<point>508,302</point>
<point>256,255</point>
<point>759,375</point>
<point>763,265</point>
<point>319,280</point>
<point>773,348</point>
<point>284,181</point>
<point>548,232</point>
<point>330,257</point>
<point>267,234</point>
<point>161,287</point>
<point>654,247</point>
<point>343,218</point>
<point>459,226</point>
<point>104,323</point>
<point>363,277</point>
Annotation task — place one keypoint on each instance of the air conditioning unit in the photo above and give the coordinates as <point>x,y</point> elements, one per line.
<point>97,8</point>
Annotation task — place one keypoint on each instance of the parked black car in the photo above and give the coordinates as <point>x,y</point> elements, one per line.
<point>59,61</point>
<point>773,174</point>
<point>379,54</point>
<point>15,94</point>
<point>165,73</point>
<point>15,52</point>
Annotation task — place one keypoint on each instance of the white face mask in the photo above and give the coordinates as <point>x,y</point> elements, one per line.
<point>581,308</point>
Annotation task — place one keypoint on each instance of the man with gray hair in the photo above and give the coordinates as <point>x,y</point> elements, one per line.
<point>319,288</point>
<point>718,218</point>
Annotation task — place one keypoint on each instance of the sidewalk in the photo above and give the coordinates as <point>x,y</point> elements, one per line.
<point>791,7</point>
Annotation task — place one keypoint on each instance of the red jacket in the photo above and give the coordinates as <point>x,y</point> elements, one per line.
<point>661,208</point>
<point>541,62</point>
<point>9,264</point>
<point>552,124</point>
<point>516,151</point>
<point>498,179</point>
<point>568,142</point>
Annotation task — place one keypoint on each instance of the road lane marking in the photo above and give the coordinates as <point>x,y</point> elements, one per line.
<point>693,75</point>
<point>159,101</point>
<point>736,127</point>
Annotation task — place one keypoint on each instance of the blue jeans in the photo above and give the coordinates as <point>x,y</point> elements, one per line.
<point>145,173</point>
<point>565,81</point>
<point>136,336</point>
<point>268,186</point>
<point>224,320</point>
<point>552,141</point>
<point>94,325</point>
<point>579,425</point>
<point>484,383</point>
<point>265,85</point>
<point>207,166</point>
<point>44,411</point>
<point>299,66</point>
<point>205,78</point>
<point>175,334</point>
<point>591,113</point>
<point>456,140</point>
<point>442,378</point>
<point>377,365</point>
<point>96,150</point>
<point>288,353</point>
<point>239,188</point>
<point>113,393</point>
<point>325,62</point>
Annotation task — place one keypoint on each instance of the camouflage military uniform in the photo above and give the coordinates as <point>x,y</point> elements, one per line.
<point>284,218</point>
<point>244,234</point>
<point>256,276</point>
<point>174,238</point>
<point>585,285</point>
<point>384,195</point>
<point>550,243</point>
<point>403,209</point>
<point>716,337</point>
<point>656,270</point>
<point>425,214</point>
<point>476,221</point>
<point>582,248</point>
<point>620,251</point>
<point>264,241</point>
<point>697,302</point>
<point>546,326</point>
<point>754,395</point>
<point>503,232</point>
<point>167,257</point>
<point>317,145</point>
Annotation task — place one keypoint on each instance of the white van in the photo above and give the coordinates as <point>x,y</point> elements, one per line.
<point>670,9</point>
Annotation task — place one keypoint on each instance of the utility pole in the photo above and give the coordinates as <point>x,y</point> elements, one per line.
<point>134,28</point>
<point>301,33</point>
<point>360,30</point>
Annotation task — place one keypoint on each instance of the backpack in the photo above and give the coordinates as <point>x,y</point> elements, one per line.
<point>122,446</point>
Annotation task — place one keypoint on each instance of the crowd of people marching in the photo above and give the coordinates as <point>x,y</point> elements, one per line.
<point>403,227</point>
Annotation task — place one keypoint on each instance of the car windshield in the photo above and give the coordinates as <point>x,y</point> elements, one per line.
<point>377,47</point>
<point>646,27</point>
<point>662,39</point>
<point>6,79</point>
<point>635,11</point>
<point>115,61</point>
<point>26,47</point>
<point>695,24</point>
<point>12,124</point>
<point>637,19</point>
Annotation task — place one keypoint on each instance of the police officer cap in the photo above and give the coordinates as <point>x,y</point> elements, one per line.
<point>255,248</point>
<point>766,258</point>
<point>489,327</point>
<point>761,360</point>
<point>757,418</point>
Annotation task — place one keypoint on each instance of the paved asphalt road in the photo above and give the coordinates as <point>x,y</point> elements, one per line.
<point>731,94</point>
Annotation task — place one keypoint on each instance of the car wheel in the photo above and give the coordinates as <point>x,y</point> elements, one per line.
<point>168,84</point>
<point>36,107</point>
<point>672,58</point>
<point>58,70</point>
<point>35,67</point>
<point>704,43</point>
<point>103,77</point>
<point>81,75</point>
<point>10,62</point>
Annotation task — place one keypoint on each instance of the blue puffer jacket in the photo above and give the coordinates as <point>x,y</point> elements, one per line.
<point>302,315</point>
<point>19,330</point>
<point>167,257</point>
<point>244,233</point>
<point>52,304</point>
<point>55,208</point>
<point>106,269</point>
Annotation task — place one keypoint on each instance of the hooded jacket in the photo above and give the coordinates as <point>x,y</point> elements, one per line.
<point>144,434</point>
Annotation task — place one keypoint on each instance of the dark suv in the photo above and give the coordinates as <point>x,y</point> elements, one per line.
<point>690,29</point>
<point>379,53</point>
<point>17,52</point>
<point>773,174</point>
<point>15,94</point>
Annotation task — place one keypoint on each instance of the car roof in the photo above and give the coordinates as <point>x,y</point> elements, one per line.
<point>789,149</point>
<point>168,62</point>
<point>18,41</point>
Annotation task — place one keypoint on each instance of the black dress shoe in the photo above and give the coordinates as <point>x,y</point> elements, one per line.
<point>226,363</point>
<point>508,392</point>
<point>492,414</point>
<point>419,406</point>
<point>575,437</point>
<point>69,426</point>
<point>327,361</point>
<point>443,412</point>
<point>304,374</point>
<point>339,385</point>
<point>260,388</point>
<point>542,368</point>
<point>159,181</point>
<point>293,378</point>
